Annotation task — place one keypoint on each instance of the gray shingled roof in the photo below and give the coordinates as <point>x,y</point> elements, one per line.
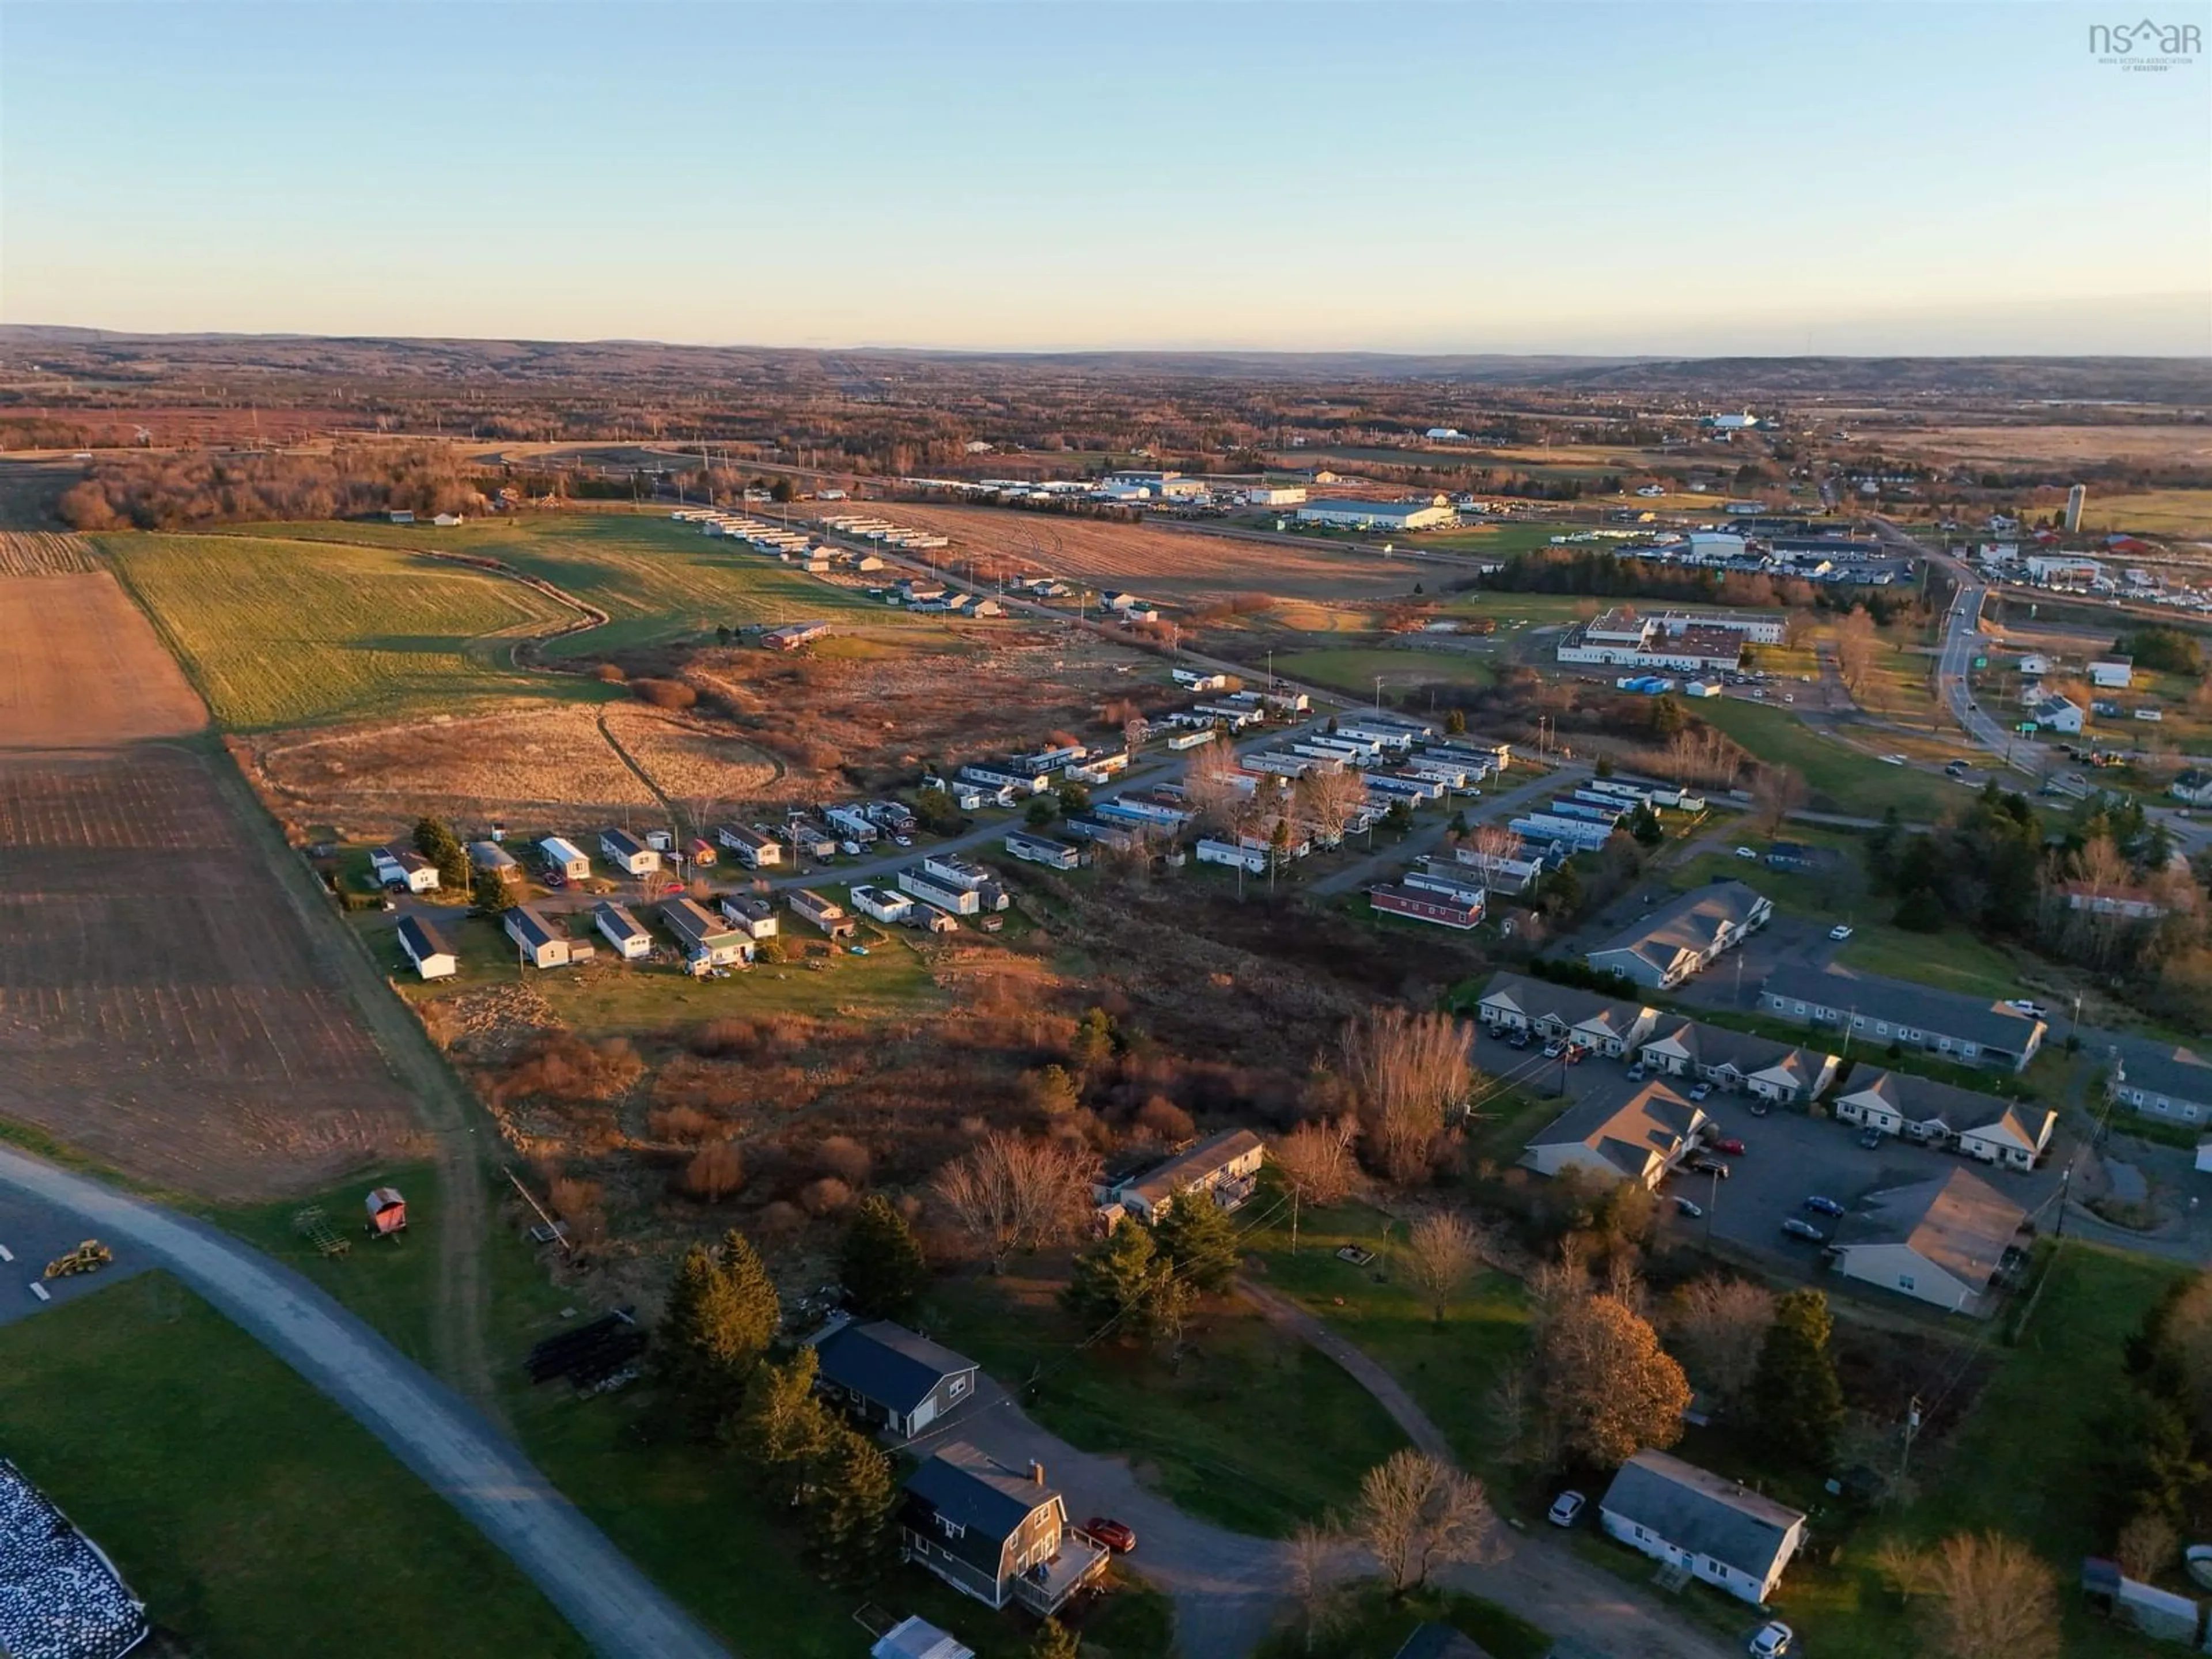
<point>1696,1509</point>
<point>1958,1222</point>
<point>2166,1068</point>
<point>1987,1023</point>
<point>1538,998</point>
<point>987,1501</point>
<point>1655,1119</point>
<point>887,1363</point>
<point>1690,922</point>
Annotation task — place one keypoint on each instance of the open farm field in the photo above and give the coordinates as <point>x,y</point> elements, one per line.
<point>44,553</point>
<point>160,1008</point>
<point>1840,779</point>
<point>1185,566</point>
<point>533,764</point>
<point>257,1520</point>
<point>1355,669</point>
<point>78,664</point>
<point>2171,444</point>
<point>655,580</point>
<point>2153,513</point>
<point>282,632</point>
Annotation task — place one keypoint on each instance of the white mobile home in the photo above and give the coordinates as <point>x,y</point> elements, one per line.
<point>426,949</point>
<point>627,854</point>
<point>882,905</point>
<point>541,944</point>
<point>622,931</point>
<point>563,859</point>
<point>931,889</point>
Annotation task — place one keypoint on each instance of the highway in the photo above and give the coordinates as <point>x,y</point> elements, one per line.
<point>1962,639</point>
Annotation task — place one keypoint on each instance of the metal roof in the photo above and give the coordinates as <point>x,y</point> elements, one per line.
<point>1696,1510</point>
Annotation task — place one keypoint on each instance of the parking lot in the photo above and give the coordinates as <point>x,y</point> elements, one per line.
<point>1788,1157</point>
<point>34,1235</point>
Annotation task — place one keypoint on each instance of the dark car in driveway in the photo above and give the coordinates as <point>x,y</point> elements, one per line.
<point>1824,1205</point>
<point>1804,1229</point>
<point>1705,1164</point>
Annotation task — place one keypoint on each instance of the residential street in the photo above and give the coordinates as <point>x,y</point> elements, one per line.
<point>1494,807</point>
<point>426,1426</point>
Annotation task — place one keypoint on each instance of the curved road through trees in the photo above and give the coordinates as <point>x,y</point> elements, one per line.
<point>427,1426</point>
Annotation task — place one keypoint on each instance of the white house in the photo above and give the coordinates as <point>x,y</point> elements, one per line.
<point>397,865</point>
<point>1685,935</point>
<point>541,945</point>
<point>1720,1530</point>
<point>754,917</point>
<point>564,858</point>
<point>824,912</point>
<point>1605,1025</point>
<point>627,854</point>
<point>1757,1065</point>
<point>2194,786</point>
<point>2166,1079</point>
<point>708,941</point>
<point>1940,1241</point>
<point>936,890</point>
<point>2112,673</point>
<point>754,849</point>
<point>426,949</point>
<point>622,931</point>
<point>1638,1140</point>
<point>1224,1165</point>
<point>1977,1126</point>
<point>882,904</point>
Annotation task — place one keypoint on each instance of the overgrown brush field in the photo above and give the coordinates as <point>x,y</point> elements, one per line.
<point>278,632</point>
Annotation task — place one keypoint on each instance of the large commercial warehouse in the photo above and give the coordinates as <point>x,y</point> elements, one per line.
<point>1424,514</point>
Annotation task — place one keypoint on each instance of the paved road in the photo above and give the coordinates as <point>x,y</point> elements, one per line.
<point>427,1427</point>
<point>1387,1392</point>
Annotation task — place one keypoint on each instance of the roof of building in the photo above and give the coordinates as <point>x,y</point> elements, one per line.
<point>692,921</point>
<point>917,1638</point>
<point>1192,1164</point>
<point>533,927</point>
<point>1919,1100</point>
<point>1625,1132</point>
<point>420,939</point>
<point>1990,1024</point>
<point>2165,1068</point>
<point>1374,509</point>
<point>1957,1222</point>
<point>814,904</point>
<point>612,917</point>
<point>405,856</point>
<point>1696,1510</point>
<point>491,855</point>
<point>1537,998</point>
<point>1691,922</point>
<point>1717,1045</point>
<point>747,905</point>
<point>1441,1642</point>
<point>974,1491</point>
<point>888,1363</point>
<point>621,843</point>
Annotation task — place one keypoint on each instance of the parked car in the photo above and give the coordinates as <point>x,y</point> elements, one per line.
<point>1518,1040</point>
<point>1564,1508</point>
<point>902,841</point>
<point>1841,931</point>
<point>1870,1138</point>
<point>1729,1145</point>
<point>1636,1072</point>
<point>1114,1534</point>
<point>1700,1090</point>
<point>1824,1205</point>
<point>1553,1050</point>
<point>1772,1640</point>
<point>1695,1211</point>
<point>1805,1230</point>
<point>1705,1164</point>
<point>1744,852</point>
<point>1577,1054</point>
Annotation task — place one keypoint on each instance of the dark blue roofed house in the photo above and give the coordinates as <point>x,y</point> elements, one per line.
<point>1000,1535</point>
<point>892,1378</point>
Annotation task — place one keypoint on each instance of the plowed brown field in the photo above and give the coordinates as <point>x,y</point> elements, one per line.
<point>161,1008</point>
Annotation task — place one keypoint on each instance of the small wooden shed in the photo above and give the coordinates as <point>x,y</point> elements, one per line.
<point>387,1213</point>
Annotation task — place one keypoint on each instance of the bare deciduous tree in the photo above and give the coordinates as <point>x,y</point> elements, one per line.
<point>1777,792</point>
<point>1981,1596</point>
<point>1210,787</point>
<point>1495,841</point>
<point>1409,1070</point>
<point>1316,1576</point>
<point>1330,801</point>
<point>1719,1326</point>
<point>1314,1162</point>
<point>1442,1253</point>
<point>1010,1194</point>
<point>1415,1513</point>
<point>2146,1547</point>
<point>1855,642</point>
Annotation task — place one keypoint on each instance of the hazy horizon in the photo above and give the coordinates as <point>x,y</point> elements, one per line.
<point>1572,180</point>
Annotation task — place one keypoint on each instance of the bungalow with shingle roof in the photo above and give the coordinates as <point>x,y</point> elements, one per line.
<point>1940,1241</point>
<point>1684,936</point>
<point>1780,1072</point>
<point>1639,1139</point>
<point>892,1377</point>
<point>996,1534</point>
<point>2166,1079</point>
<point>1984,1126</point>
<point>1717,1529</point>
<point>1512,1003</point>
<point>1883,1010</point>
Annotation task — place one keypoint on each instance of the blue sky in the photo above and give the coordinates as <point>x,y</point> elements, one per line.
<point>1654,178</point>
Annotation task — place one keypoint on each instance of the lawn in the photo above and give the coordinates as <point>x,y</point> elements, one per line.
<point>1840,779</point>
<point>1353,669</point>
<point>1188,1427</point>
<point>251,1514</point>
<point>1451,1368</point>
<point>656,579</point>
<point>2151,513</point>
<point>607,998</point>
<point>276,632</point>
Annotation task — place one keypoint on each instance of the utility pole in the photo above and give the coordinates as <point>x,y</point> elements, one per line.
<point>1911,1428</point>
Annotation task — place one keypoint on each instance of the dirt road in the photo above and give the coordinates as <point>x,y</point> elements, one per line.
<point>427,1427</point>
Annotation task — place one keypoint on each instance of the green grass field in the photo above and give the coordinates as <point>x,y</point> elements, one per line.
<point>1375,1624</point>
<point>277,632</point>
<point>1191,1428</point>
<point>656,579</point>
<point>1353,669</point>
<point>1840,779</point>
<point>249,1514</point>
<point>1451,1368</point>
<point>2152,512</point>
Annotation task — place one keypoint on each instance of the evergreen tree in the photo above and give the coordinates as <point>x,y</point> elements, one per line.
<point>1199,1241</point>
<point>1644,824</point>
<point>1795,1400</point>
<point>1093,1043</point>
<point>432,838</point>
<point>722,1311</point>
<point>850,1492</point>
<point>1455,723</point>
<point>488,892</point>
<point>881,1266</point>
<point>1041,810</point>
<point>1125,1280</point>
<point>1053,1640</point>
<point>782,1426</point>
